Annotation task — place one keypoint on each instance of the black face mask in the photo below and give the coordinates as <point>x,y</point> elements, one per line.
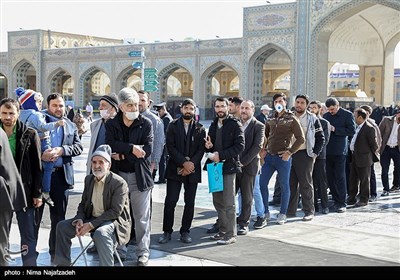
<point>188,117</point>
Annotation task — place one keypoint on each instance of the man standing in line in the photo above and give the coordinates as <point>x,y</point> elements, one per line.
<point>158,130</point>
<point>25,147</point>
<point>303,160</point>
<point>249,161</point>
<point>131,135</point>
<point>319,172</point>
<point>103,210</point>
<point>166,118</point>
<point>343,128</point>
<point>225,141</point>
<point>264,112</point>
<point>363,146</point>
<point>280,129</point>
<point>372,183</point>
<point>12,194</point>
<point>65,145</point>
<point>185,144</point>
<point>390,149</point>
<point>108,110</point>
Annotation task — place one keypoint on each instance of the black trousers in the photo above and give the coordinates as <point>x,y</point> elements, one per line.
<point>245,183</point>
<point>173,191</point>
<point>320,184</point>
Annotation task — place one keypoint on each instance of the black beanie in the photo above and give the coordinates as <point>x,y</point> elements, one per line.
<point>111,98</point>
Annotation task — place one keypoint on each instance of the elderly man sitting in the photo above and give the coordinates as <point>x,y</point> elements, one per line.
<point>103,210</point>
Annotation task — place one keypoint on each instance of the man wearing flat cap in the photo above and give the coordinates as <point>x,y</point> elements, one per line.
<point>103,211</point>
<point>108,109</point>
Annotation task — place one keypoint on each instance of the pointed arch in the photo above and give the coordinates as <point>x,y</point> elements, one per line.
<point>85,84</point>
<point>57,79</point>
<point>3,86</point>
<point>24,74</point>
<point>206,84</point>
<point>125,75</point>
<point>256,71</point>
<point>320,36</point>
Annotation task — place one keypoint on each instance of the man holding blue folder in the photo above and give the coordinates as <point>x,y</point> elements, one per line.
<point>225,141</point>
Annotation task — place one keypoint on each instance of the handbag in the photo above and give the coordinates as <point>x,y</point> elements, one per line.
<point>215,177</point>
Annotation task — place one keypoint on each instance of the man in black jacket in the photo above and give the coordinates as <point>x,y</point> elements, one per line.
<point>12,195</point>
<point>25,146</point>
<point>225,141</point>
<point>131,134</point>
<point>185,144</point>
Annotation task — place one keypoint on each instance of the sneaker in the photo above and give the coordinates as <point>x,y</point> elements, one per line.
<point>226,241</point>
<point>267,216</point>
<point>281,219</point>
<point>394,189</point>
<point>260,223</point>
<point>218,236</point>
<point>243,230</point>
<point>308,218</point>
<point>143,261</point>
<point>372,198</point>
<point>325,210</point>
<point>385,193</point>
<point>213,229</point>
<point>341,209</point>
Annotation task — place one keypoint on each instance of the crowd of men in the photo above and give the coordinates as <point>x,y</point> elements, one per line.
<point>315,148</point>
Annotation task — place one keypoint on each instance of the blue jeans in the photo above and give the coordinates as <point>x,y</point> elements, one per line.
<point>258,199</point>
<point>26,224</point>
<point>47,166</point>
<point>275,163</point>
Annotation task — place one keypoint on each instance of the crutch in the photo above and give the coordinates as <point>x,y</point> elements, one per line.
<point>83,251</point>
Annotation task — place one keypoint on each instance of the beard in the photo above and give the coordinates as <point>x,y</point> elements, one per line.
<point>188,116</point>
<point>222,115</point>
<point>99,173</point>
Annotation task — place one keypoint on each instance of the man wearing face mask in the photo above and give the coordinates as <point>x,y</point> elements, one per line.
<point>130,135</point>
<point>280,129</point>
<point>108,109</point>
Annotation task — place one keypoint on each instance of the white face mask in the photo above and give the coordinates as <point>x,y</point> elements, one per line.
<point>278,107</point>
<point>132,115</point>
<point>105,114</point>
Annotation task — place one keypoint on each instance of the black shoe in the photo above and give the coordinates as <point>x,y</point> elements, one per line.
<point>394,189</point>
<point>372,198</point>
<point>385,193</point>
<point>260,223</point>
<point>185,238</point>
<point>165,238</point>
<point>213,229</point>
<point>47,199</point>
<point>160,182</point>
<point>243,230</point>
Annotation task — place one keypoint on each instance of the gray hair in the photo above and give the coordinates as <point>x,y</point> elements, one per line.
<point>128,95</point>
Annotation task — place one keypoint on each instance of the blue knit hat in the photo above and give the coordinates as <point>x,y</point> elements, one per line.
<point>28,98</point>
